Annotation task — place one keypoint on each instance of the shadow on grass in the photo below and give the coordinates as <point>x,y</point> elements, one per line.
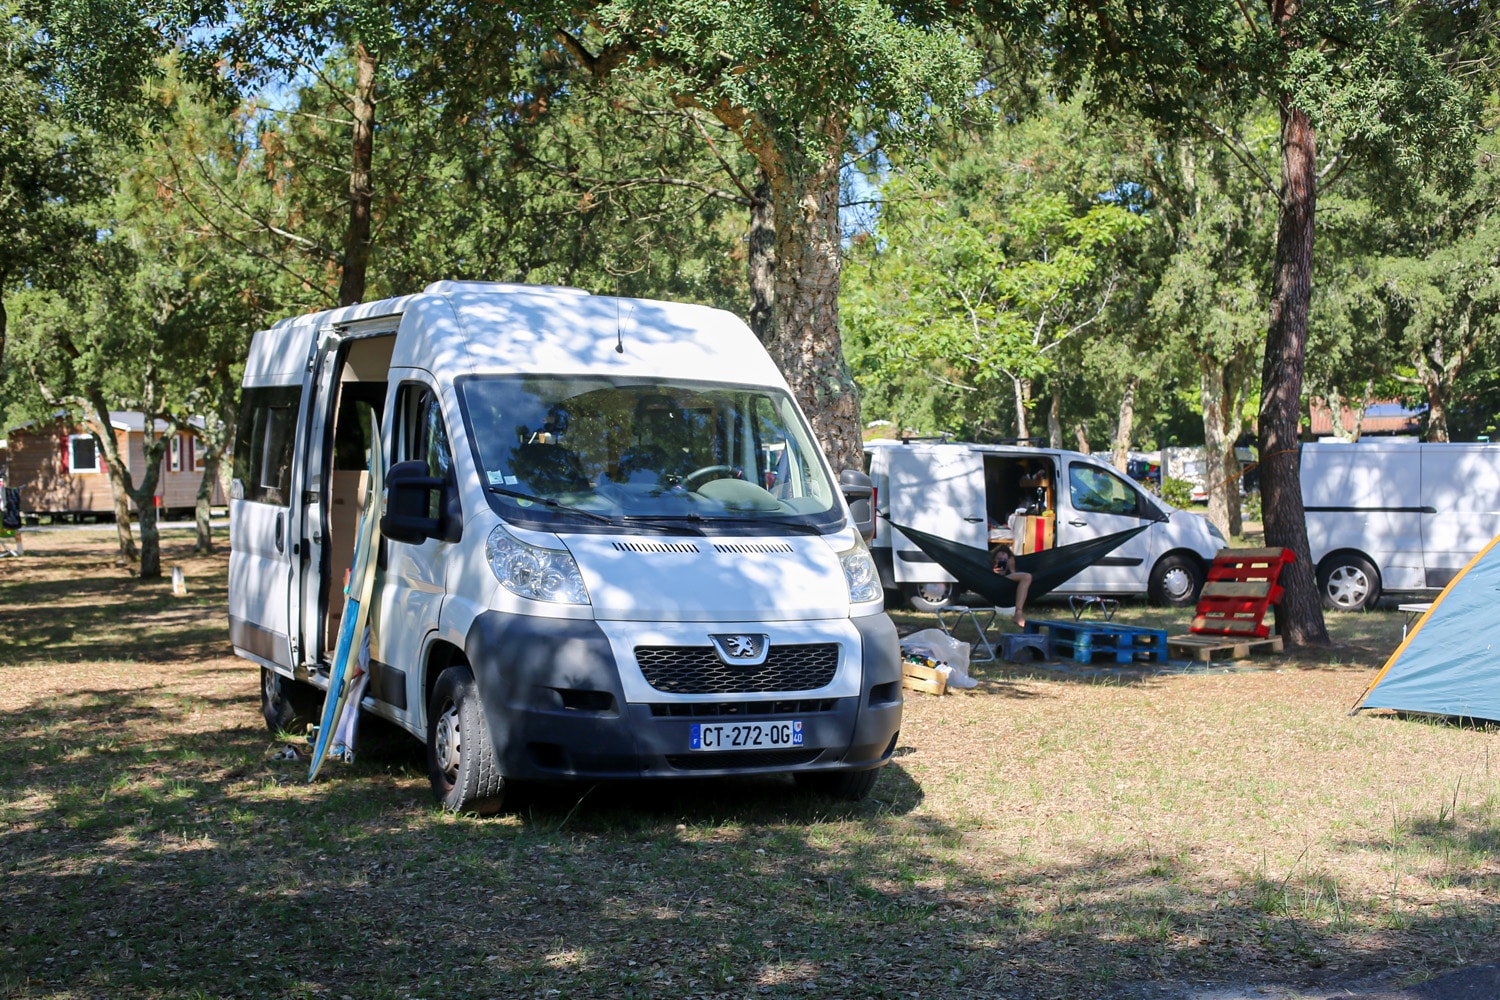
<point>144,856</point>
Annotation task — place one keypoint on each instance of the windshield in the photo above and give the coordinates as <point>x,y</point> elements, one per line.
<point>644,453</point>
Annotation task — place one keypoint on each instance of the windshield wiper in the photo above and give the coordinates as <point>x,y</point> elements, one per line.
<point>669,522</point>
<point>699,519</point>
<point>549,502</point>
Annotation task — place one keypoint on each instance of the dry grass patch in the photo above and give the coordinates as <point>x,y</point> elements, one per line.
<point>1044,835</point>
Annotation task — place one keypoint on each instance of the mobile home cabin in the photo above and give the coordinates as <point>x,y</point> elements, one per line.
<point>60,470</point>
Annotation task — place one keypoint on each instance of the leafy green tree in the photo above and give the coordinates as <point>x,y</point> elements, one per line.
<point>796,83</point>
<point>1363,77</point>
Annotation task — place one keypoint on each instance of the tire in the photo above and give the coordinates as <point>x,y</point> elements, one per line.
<point>460,754</point>
<point>929,596</point>
<point>1176,580</point>
<point>846,786</point>
<point>1348,582</point>
<point>288,706</point>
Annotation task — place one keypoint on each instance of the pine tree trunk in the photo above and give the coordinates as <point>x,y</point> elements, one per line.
<point>1054,419</point>
<point>1022,391</point>
<point>123,531</point>
<point>361,187</point>
<point>805,341</point>
<point>1212,393</point>
<point>762,260</point>
<point>1125,426</point>
<point>1300,615</point>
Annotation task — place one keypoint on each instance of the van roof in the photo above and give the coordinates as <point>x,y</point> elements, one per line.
<point>483,327</point>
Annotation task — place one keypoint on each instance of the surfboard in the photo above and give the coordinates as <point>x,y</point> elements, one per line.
<point>358,595</point>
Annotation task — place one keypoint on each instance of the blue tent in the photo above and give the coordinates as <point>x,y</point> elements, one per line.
<point>1450,663</point>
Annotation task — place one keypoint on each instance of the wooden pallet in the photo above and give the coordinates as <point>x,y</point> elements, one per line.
<point>1205,647</point>
<point>916,677</point>
<point>1241,586</point>
<point>1089,642</point>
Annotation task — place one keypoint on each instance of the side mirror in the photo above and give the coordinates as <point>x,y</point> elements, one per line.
<point>859,493</point>
<point>408,499</point>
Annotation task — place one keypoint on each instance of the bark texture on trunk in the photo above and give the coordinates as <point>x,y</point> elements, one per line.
<point>1054,419</point>
<point>805,341</point>
<point>1300,615</point>
<point>1221,391</point>
<point>1081,436</point>
<point>762,260</point>
<point>124,534</point>
<point>361,187</point>
<point>1125,426</point>
<point>144,495</point>
<point>1022,387</point>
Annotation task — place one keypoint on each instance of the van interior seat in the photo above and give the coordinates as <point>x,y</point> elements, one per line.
<point>549,468</point>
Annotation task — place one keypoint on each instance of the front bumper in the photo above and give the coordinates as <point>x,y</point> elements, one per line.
<point>556,707</point>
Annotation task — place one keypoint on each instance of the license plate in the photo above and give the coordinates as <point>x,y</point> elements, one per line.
<point>745,735</point>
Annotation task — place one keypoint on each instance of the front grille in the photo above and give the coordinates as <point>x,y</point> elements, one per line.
<point>743,758</point>
<point>713,709</point>
<point>698,669</point>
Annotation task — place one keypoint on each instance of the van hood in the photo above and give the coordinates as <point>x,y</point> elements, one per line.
<point>715,578</point>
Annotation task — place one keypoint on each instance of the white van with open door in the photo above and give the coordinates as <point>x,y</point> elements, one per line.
<point>1034,498</point>
<point>611,545</point>
<point>1396,517</point>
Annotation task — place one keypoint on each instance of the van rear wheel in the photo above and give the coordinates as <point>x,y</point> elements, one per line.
<point>288,706</point>
<point>1348,582</point>
<point>929,596</point>
<point>460,754</point>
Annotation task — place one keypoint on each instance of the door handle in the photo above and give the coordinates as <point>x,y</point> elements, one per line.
<point>973,520</point>
<point>281,532</point>
<point>1078,524</point>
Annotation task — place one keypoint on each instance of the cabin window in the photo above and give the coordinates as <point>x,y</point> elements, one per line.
<point>83,453</point>
<point>263,445</point>
<point>195,451</point>
<point>174,452</point>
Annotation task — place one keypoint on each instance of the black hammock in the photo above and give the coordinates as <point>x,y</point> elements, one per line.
<point>1049,568</point>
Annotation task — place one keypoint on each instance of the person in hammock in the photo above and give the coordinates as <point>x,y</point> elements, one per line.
<point>1004,562</point>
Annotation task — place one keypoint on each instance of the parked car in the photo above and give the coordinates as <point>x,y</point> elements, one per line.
<point>1396,517</point>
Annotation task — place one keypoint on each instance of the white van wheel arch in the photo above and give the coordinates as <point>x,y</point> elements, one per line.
<point>1347,581</point>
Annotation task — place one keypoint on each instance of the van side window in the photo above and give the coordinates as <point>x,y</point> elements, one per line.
<point>1099,491</point>
<point>421,436</point>
<point>263,444</point>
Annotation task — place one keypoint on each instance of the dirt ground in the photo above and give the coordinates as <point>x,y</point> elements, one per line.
<point>1226,833</point>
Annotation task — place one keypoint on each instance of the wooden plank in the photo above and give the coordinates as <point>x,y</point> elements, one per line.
<point>1228,588</point>
<point>925,679</point>
<point>1256,555</point>
<point>1203,648</point>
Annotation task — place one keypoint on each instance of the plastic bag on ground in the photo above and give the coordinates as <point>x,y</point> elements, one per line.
<point>941,646</point>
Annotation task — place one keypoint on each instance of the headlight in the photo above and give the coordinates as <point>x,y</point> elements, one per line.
<point>531,571</point>
<point>860,574</point>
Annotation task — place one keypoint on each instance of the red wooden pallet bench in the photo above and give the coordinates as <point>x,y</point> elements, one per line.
<point>1241,586</point>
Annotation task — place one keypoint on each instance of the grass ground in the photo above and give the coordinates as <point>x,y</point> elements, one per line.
<point>1044,835</point>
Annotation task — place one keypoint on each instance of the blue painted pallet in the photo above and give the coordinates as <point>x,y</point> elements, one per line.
<point>1088,642</point>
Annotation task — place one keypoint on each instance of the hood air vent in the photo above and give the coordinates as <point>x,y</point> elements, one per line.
<point>687,547</point>
<point>742,548</point>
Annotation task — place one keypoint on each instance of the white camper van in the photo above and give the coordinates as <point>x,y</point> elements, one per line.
<point>1034,498</point>
<point>1396,516</point>
<point>612,547</point>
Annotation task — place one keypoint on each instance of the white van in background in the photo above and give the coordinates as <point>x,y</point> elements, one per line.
<point>975,494</point>
<point>611,545</point>
<point>1396,516</point>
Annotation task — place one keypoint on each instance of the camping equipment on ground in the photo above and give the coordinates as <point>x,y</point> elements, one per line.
<point>1088,642</point>
<point>1449,664</point>
<point>936,649</point>
<point>1049,569</point>
<point>1230,620</point>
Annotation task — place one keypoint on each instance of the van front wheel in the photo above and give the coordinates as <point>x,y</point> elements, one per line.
<point>1348,583</point>
<point>1176,580</point>
<point>460,754</point>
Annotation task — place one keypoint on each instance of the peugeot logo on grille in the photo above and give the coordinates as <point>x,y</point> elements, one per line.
<point>740,649</point>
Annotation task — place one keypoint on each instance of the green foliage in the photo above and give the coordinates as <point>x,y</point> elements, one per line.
<point>979,279</point>
<point>1177,492</point>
